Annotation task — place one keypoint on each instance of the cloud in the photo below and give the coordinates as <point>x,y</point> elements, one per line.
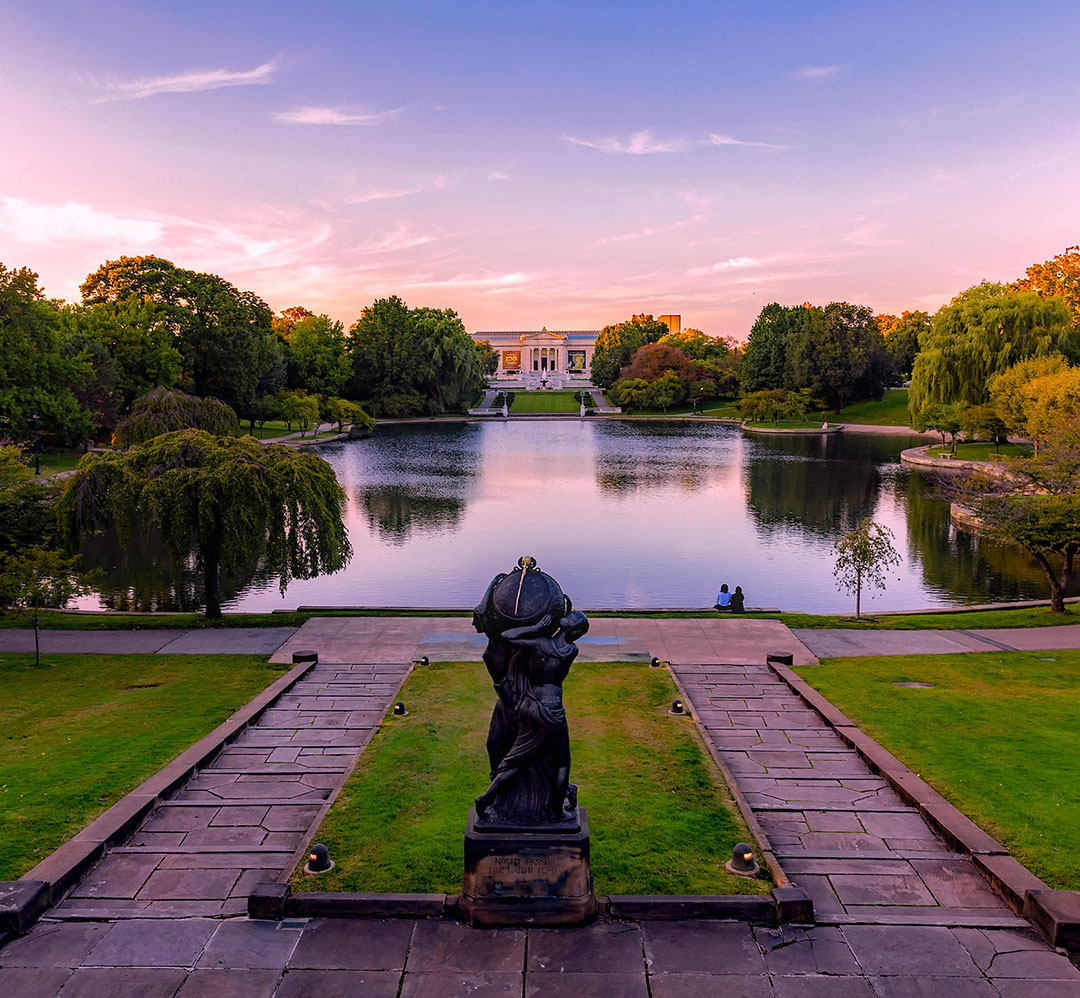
<point>727,140</point>
<point>498,175</point>
<point>870,235</point>
<point>629,237</point>
<point>311,115</point>
<point>642,143</point>
<point>435,183</point>
<point>733,263</point>
<point>816,72</point>
<point>186,83</point>
<point>491,282</point>
<point>72,222</point>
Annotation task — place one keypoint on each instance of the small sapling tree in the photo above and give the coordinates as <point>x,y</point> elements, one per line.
<point>862,557</point>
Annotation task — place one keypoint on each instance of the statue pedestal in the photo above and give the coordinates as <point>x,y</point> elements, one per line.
<point>536,877</point>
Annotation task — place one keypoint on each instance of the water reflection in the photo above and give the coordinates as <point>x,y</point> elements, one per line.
<point>644,514</point>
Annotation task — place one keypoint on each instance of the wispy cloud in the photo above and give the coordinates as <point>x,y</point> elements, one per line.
<point>645,143</point>
<point>816,72</point>
<point>733,263</point>
<point>190,82</point>
<point>870,235</point>
<point>72,222</point>
<point>488,281</point>
<point>434,183</point>
<point>312,115</point>
<point>629,237</point>
<point>642,143</point>
<point>498,175</point>
<point>728,140</point>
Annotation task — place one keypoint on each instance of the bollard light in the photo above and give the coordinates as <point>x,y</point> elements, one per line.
<point>677,707</point>
<point>319,860</point>
<point>399,709</point>
<point>656,663</point>
<point>742,862</point>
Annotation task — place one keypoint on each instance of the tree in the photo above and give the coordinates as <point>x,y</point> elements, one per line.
<point>489,357</point>
<point>231,501</point>
<point>35,375</point>
<point>776,404</point>
<point>666,390</point>
<point>162,411</point>
<point>945,419</point>
<point>1058,277</point>
<point>262,410</point>
<point>983,421</point>
<point>138,338</point>
<point>286,322</point>
<point>1007,393</point>
<point>36,579</point>
<point>764,358</point>
<point>224,335</point>
<point>317,359</point>
<point>344,412</point>
<point>981,333</point>
<point>1051,402</point>
<point>862,557</point>
<point>617,343</point>
<point>631,393</point>
<point>26,503</point>
<point>300,408</point>
<point>654,360</point>
<point>1035,504</point>
<point>457,367</point>
<point>839,354</point>
<point>700,346</point>
<point>903,335</point>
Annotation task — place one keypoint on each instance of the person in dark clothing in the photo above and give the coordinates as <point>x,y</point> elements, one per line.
<point>736,605</point>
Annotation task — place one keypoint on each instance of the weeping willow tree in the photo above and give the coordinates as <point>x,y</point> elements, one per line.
<point>979,334</point>
<point>230,501</point>
<point>163,411</point>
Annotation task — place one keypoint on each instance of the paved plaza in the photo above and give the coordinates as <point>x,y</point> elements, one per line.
<point>898,913</point>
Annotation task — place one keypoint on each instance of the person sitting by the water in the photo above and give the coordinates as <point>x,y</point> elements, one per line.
<point>723,598</point>
<point>736,605</point>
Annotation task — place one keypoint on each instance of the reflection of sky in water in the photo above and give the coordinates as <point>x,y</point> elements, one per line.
<point>637,514</point>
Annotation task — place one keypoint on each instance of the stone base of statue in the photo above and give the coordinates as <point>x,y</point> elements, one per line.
<point>538,876</point>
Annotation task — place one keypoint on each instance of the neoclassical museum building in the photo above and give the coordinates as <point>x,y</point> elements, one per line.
<point>560,351</point>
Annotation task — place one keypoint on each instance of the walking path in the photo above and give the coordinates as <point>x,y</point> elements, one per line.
<point>834,643</point>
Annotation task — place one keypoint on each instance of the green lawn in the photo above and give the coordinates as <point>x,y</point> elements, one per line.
<point>891,410</point>
<point>55,463</point>
<point>83,730</point>
<point>541,401</point>
<point>660,818</point>
<point>978,450</point>
<point>998,735</point>
<point>789,424</point>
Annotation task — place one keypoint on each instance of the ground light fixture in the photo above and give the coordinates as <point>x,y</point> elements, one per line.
<point>319,860</point>
<point>656,663</point>
<point>423,660</point>
<point>677,707</point>
<point>399,709</point>
<point>742,862</point>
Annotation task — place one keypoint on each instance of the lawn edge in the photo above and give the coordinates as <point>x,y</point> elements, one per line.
<point>23,901</point>
<point>1054,913</point>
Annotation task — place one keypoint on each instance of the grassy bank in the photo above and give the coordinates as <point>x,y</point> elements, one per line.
<point>660,817</point>
<point>890,410</point>
<point>978,450</point>
<point>541,401</point>
<point>1021,617</point>
<point>83,730</point>
<point>998,735</point>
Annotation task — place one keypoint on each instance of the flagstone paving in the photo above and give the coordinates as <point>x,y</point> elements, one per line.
<point>240,820</point>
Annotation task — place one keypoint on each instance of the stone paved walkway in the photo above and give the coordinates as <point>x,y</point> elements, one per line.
<point>829,643</point>
<point>240,820</point>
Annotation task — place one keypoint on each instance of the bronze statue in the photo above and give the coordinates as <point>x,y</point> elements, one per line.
<point>531,627</point>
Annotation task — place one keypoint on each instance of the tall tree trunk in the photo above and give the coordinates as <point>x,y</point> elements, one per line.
<point>211,565</point>
<point>37,640</point>
<point>1057,587</point>
<point>858,594</point>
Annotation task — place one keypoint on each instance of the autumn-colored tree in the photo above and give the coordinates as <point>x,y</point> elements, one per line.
<point>1007,394</point>
<point>617,343</point>
<point>1051,402</point>
<point>1058,277</point>
<point>230,501</point>
<point>286,321</point>
<point>656,359</point>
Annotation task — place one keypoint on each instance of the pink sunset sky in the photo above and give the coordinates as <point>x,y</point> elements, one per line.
<point>559,164</point>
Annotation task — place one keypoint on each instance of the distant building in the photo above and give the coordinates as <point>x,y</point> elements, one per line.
<point>561,351</point>
<point>564,351</point>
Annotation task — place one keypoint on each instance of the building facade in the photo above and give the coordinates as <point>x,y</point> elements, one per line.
<point>560,351</point>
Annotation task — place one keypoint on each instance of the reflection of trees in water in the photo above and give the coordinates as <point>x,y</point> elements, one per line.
<point>960,564</point>
<point>814,484</point>
<point>142,575</point>
<point>394,511</point>
<point>635,456</point>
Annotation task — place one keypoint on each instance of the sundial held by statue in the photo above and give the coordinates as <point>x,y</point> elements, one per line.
<point>526,839</point>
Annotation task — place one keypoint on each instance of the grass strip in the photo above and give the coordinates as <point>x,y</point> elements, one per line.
<point>542,401</point>
<point>83,730</point>
<point>660,816</point>
<point>998,736</point>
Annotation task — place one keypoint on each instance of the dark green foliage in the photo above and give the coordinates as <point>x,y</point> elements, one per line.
<point>224,335</point>
<point>979,334</point>
<point>411,362</point>
<point>231,500</point>
<point>764,357</point>
<point>162,411</point>
<point>617,344</point>
<point>903,335</point>
<point>26,516</point>
<point>36,376</point>
<point>316,356</point>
